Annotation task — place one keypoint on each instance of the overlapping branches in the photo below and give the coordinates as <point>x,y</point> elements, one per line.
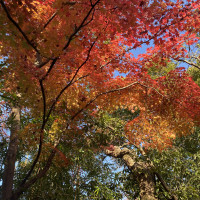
<point>46,116</point>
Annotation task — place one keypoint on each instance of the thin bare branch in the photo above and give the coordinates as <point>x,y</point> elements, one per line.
<point>103,93</point>
<point>44,63</point>
<point>41,136</point>
<point>71,81</point>
<point>50,19</point>
<point>70,38</point>
<point>148,87</point>
<point>55,13</point>
<point>44,104</point>
<point>91,3</point>
<point>50,68</point>
<point>80,78</point>
<point>189,63</point>
<point>90,19</point>
<point>165,186</point>
<point>81,25</point>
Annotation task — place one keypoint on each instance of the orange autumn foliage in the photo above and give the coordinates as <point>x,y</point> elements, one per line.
<point>63,57</point>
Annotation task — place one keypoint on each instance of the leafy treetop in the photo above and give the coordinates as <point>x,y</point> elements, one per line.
<point>61,57</point>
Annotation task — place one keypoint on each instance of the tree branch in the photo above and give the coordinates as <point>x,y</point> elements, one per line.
<point>110,91</point>
<point>90,19</point>
<point>70,38</point>
<point>18,27</point>
<point>44,63</point>
<point>50,68</point>
<point>45,119</point>
<point>165,186</point>
<point>71,81</point>
<point>196,58</point>
<point>81,25</point>
<point>53,16</point>
<point>103,93</point>
<point>189,63</point>
<point>22,188</point>
<point>41,136</point>
<point>50,19</point>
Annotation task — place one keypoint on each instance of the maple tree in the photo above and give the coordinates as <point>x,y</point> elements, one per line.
<point>60,59</point>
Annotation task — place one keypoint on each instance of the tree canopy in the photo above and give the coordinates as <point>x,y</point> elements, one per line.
<point>61,61</point>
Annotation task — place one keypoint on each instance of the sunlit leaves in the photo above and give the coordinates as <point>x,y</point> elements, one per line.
<point>63,57</point>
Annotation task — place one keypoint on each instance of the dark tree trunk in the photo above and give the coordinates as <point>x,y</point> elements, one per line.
<point>9,167</point>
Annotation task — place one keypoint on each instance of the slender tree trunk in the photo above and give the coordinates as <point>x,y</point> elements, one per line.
<point>9,167</point>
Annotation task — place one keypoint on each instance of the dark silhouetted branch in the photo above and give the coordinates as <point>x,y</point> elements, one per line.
<point>18,27</point>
